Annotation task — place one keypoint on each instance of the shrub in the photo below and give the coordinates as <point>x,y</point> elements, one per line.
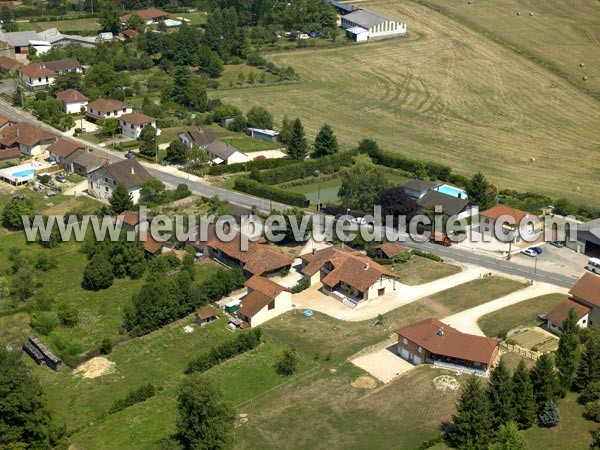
<point>44,322</point>
<point>427,255</point>
<point>259,164</point>
<point>288,362</point>
<point>105,346</point>
<point>591,393</point>
<point>98,274</point>
<point>549,416</point>
<point>592,411</point>
<point>67,314</point>
<point>134,396</point>
<point>301,286</point>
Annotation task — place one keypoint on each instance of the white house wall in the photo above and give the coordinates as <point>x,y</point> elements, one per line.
<point>283,304</point>
<point>74,107</point>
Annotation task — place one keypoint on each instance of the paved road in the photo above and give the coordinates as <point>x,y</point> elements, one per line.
<point>556,277</point>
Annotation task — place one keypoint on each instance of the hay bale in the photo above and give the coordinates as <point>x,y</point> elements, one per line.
<point>581,65</point>
<point>531,14</point>
<point>470,2</point>
<point>585,78</point>
<point>518,13</point>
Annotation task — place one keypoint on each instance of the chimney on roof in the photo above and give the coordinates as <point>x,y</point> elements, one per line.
<point>440,332</point>
<point>17,131</point>
<point>367,266</point>
<point>314,251</point>
<point>133,171</point>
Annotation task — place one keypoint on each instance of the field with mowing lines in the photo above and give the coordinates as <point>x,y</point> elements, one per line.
<point>449,94</point>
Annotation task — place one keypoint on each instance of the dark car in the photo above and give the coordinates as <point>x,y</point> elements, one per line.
<point>61,178</point>
<point>557,244</point>
<point>129,155</point>
<point>538,250</point>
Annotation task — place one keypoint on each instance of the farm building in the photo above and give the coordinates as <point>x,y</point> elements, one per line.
<point>64,65</point>
<point>72,100</point>
<point>149,16</point>
<point>206,314</point>
<point>390,250</point>
<point>263,135</point>
<point>347,274</point>
<point>264,301</point>
<point>40,353</point>
<point>434,342</point>
<point>364,25</point>
<point>588,239</point>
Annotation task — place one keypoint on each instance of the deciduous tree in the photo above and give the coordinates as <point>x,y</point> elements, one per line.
<point>259,117</point>
<point>121,200</point>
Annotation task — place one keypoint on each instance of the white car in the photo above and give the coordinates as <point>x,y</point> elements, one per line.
<point>304,36</point>
<point>529,252</point>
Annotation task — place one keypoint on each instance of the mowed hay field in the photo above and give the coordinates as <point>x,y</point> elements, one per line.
<point>450,94</point>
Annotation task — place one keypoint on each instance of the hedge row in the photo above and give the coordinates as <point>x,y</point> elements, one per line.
<point>258,164</point>
<point>398,161</point>
<point>305,169</point>
<point>248,186</point>
<point>243,342</point>
<point>135,396</point>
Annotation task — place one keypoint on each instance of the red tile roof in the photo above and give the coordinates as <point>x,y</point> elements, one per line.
<point>71,96</point>
<point>37,70</point>
<point>349,266</point>
<point>25,134</point>
<point>151,245</point>
<point>450,342</point>
<point>265,286</point>
<point>206,312</point>
<point>9,154</point>
<point>258,259</point>
<point>137,118</point>
<point>129,173</point>
<point>587,289</point>
<point>495,212</point>
<point>253,303</point>
<point>391,249</point>
<point>146,14</point>
<point>130,217</point>
<point>560,313</point>
<point>130,33</point>
<point>64,147</point>
<point>5,120</point>
<point>107,104</point>
<point>7,63</point>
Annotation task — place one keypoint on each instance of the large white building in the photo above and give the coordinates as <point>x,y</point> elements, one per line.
<point>363,25</point>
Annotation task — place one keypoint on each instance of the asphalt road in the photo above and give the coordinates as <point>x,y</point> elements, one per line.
<point>460,255</point>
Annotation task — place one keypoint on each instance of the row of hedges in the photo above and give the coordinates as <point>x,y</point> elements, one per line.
<point>135,396</point>
<point>398,161</point>
<point>248,186</point>
<point>305,169</point>
<point>243,342</point>
<point>257,164</point>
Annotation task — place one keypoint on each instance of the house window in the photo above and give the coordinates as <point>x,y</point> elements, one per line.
<point>272,305</point>
<point>39,80</point>
<point>106,189</point>
<point>405,341</point>
<point>131,126</point>
<point>419,349</point>
<point>477,364</point>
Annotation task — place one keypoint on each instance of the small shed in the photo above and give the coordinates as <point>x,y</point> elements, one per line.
<point>263,134</point>
<point>206,314</point>
<point>233,306</point>
<point>226,121</point>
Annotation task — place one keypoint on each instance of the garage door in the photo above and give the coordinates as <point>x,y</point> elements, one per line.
<point>416,359</point>
<point>405,354</point>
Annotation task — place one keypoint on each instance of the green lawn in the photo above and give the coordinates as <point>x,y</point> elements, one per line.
<point>195,18</point>
<point>69,25</point>
<point>247,144</point>
<point>419,270</point>
<point>523,313</point>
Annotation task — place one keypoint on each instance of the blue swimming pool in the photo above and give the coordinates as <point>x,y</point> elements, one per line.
<point>172,23</point>
<point>451,191</point>
<point>24,173</point>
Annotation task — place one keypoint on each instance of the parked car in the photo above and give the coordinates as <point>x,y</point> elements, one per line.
<point>557,244</point>
<point>313,34</point>
<point>61,178</point>
<point>529,252</point>
<point>538,250</point>
<point>129,155</point>
<point>304,36</point>
<point>440,239</point>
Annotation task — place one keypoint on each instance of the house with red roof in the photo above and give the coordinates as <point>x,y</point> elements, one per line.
<point>433,342</point>
<point>73,101</point>
<point>32,140</point>
<point>61,149</point>
<point>104,108</point>
<point>502,222</point>
<point>150,16</point>
<point>347,274</point>
<point>133,123</point>
<point>263,301</point>
<point>8,65</point>
<point>585,300</point>
<point>37,76</point>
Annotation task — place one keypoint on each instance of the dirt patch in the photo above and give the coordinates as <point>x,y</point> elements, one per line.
<point>188,329</point>
<point>535,339</point>
<point>364,382</point>
<point>446,383</point>
<point>96,367</point>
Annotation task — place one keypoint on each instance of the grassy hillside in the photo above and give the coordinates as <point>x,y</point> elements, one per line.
<point>446,93</point>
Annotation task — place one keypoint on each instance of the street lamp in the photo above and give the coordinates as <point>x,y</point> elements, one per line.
<point>317,174</point>
<point>534,271</point>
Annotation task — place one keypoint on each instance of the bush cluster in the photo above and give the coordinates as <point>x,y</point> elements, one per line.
<point>398,161</point>
<point>270,192</point>
<point>243,342</point>
<point>258,164</point>
<point>134,396</point>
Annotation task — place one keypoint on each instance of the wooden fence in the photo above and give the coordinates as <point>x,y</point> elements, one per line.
<point>520,350</point>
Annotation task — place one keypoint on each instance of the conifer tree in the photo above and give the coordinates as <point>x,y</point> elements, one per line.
<point>471,426</point>
<point>524,398</point>
<point>543,378</point>
<point>325,143</point>
<point>509,438</point>
<point>568,354</point>
<point>589,367</point>
<point>549,415</point>
<point>120,200</point>
<point>297,147</point>
<point>500,395</point>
